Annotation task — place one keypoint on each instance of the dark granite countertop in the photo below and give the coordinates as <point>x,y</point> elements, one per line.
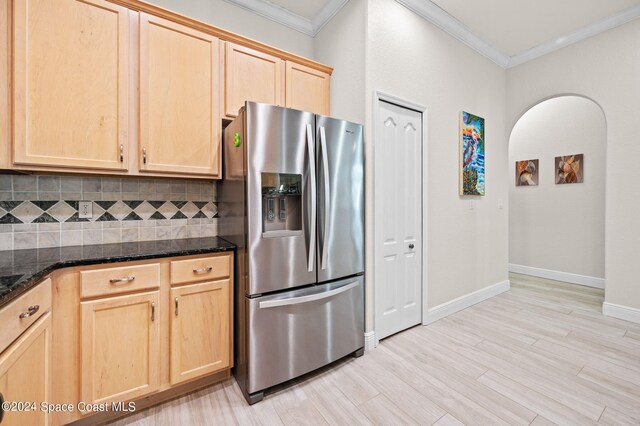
<point>22,269</point>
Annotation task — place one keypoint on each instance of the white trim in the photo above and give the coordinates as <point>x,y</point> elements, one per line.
<point>325,14</point>
<point>558,275</point>
<point>434,14</point>
<point>621,312</point>
<point>285,17</point>
<point>463,302</point>
<point>583,33</point>
<point>370,341</point>
<point>276,14</point>
<point>379,95</point>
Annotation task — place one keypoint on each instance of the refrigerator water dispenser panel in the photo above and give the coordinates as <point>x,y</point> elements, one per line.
<point>281,205</point>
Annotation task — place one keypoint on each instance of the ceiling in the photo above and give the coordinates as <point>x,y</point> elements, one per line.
<point>509,32</point>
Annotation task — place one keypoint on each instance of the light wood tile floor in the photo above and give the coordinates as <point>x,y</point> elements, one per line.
<point>540,354</point>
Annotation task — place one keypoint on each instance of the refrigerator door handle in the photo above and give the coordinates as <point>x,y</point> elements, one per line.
<point>327,195</point>
<point>309,298</point>
<point>312,174</point>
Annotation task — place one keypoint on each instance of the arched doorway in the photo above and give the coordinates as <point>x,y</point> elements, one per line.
<point>557,156</point>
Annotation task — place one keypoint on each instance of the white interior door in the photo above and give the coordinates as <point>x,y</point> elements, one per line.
<point>398,219</point>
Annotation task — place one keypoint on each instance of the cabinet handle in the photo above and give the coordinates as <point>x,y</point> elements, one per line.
<point>122,153</point>
<point>1,405</point>
<point>123,280</point>
<point>203,270</point>
<point>144,155</point>
<point>153,311</point>
<point>30,311</point>
<point>176,306</point>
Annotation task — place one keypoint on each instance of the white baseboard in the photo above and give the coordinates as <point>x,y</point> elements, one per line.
<point>370,340</point>
<point>621,312</point>
<point>455,305</point>
<point>558,276</point>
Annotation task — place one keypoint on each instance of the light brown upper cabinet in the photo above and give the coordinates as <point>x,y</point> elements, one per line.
<point>307,89</point>
<point>180,121</point>
<point>251,75</point>
<point>5,82</point>
<point>71,84</point>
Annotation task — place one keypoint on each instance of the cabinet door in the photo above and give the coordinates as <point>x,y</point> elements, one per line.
<point>25,374</point>
<point>71,83</point>
<point>251,76</point>
<point>120,347</point>
<point>307,89</point>
<point>5,82</point>
<point>180,121</point>
<point>200,329</point>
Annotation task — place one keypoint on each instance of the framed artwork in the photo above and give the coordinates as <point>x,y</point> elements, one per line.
<point>569,169</point>
<point>527,173</point>
<point>471,154</point>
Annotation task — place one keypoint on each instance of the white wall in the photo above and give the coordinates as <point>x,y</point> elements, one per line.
<point>341,44</point>
<point>559,227</point>
<point>241,21</point>
<point>604,68</point>
<point>412,59</point>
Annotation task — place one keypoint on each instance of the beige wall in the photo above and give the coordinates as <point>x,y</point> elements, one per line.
<point>606,69</point>
<point>341,43</point>
<point>559,227</point>
<point>243,22</point>
<point>467,249</point>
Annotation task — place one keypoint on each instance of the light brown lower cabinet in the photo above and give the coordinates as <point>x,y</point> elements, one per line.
<point>25,376</point>
<point>200,331</point>
<point>120,347</point>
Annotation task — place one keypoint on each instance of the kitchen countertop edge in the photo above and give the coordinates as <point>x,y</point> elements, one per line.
<point>30,280</point>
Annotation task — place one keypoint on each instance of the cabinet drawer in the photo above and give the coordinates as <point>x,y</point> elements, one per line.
<point>104,282</point>
<point>204,268</point>
<point>24,311</point>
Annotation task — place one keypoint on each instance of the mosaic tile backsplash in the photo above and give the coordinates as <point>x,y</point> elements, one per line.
<point>42,211</point>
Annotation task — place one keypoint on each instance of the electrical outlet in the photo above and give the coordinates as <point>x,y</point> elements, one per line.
<point>85,209</point>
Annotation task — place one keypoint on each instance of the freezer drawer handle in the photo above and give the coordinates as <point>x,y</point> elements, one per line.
<point>309,298</point>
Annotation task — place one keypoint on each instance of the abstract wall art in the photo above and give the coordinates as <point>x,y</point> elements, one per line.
<point>527,173</point>
<point>569,169</point>
<point>471,154</point>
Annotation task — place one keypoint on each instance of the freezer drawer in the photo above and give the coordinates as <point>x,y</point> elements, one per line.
<point>296,332</point>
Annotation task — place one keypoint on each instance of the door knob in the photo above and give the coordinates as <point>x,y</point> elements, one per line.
<point>411,246</point>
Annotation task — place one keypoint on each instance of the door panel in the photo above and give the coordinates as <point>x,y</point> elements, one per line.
<point>340,170</point>
<point>71,83</point>
<point>25,371</point>
<point>200,331</point>
<point>307,89</point>
<point>296,332</point>
<point>280,141</point>
<point>120,347</point>
<point>253,76</point>
<point>399,218</point>
<point>180,127</point>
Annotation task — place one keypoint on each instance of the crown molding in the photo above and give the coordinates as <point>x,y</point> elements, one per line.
<point>583,33</point>
<point>325,14</point>
<point>277,14</point>
<point>289,19</point>
<point>434,14</point>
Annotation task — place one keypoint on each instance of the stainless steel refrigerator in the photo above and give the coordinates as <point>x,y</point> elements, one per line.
<point>292,200</point>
